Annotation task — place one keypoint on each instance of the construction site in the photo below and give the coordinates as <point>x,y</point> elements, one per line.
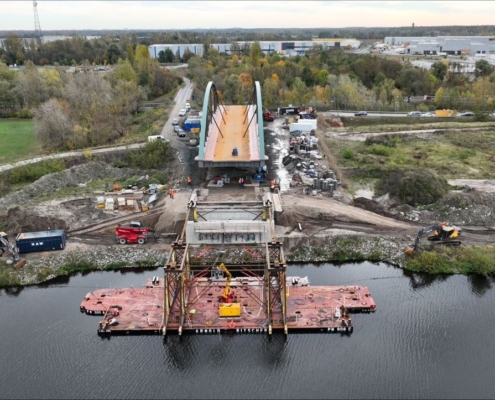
<point>224,238</point>
<point>226,272</point>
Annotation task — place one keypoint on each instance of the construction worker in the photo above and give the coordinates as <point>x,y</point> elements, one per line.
<point>189,181</point>
<point>171,193</point>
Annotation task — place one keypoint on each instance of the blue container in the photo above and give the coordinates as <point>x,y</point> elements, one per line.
<point>192,123</point>
<point>40,241</point>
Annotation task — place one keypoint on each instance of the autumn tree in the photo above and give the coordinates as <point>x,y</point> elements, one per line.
<point>131,55</point>
<point>439,70</point>
<point>233,91</point>
<point>126,96</point>
<point>53,126</point>
<point>270,91</point>
<point>31,86</point>
<point>123,71</point>
<point>482,68</point>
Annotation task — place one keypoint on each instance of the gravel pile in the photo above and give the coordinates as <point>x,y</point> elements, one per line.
<point>50,183</point>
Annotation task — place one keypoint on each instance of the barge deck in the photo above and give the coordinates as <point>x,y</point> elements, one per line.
<point>309,308</point>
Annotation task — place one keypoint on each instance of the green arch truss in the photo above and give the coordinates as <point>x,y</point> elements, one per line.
<point>210,104</point>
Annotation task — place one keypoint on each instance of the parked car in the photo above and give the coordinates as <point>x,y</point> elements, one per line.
<point>181,133</point>
<point>176,129</point>
<point>467,114</point>
<point>182,112</point>
<point>361,114</point>
<point>175,121</point>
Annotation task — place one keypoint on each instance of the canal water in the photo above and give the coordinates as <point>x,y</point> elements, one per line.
<point>431,337</point>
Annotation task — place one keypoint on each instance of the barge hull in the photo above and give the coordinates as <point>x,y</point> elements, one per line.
<point>323,309</point>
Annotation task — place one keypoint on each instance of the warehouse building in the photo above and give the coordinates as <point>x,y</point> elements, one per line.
<point>445,45</point>
<point>288,48</point>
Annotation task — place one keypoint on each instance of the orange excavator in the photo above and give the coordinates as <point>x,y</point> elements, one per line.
<point>228,307</point>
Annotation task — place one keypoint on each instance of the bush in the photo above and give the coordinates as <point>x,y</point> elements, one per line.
<point>385,140</point>
<point>418,187</point>
<point>482,117</point>
<point>153,155</point>
<point>32,172</point>
<point>348,154</point>
<point>160,177</point>
<point>379,150</point>
<point>24,113</point>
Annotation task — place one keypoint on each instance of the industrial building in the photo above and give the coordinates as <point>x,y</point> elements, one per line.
<point>444,45</point>
<point>287,48</point>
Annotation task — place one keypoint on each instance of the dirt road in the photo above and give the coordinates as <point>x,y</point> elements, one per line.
<point>361,136</point>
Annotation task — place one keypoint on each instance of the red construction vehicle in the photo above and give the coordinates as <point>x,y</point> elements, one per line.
<point>268,116</point>
<point>135,233</point>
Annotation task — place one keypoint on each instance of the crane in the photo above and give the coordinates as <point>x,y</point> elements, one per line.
<point>443,233</point>
<point>227,294</point>
<point>228,307</point>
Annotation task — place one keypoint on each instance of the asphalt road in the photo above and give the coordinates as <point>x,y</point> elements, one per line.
<point>374,114</point>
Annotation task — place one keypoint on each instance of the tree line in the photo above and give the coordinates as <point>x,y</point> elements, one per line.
<point>85,108</point>
<point>340,80</point>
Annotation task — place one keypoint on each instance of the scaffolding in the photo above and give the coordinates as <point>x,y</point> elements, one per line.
<point>191,278</point>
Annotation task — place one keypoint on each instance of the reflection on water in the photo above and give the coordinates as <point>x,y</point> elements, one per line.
<point>431,337</point>
<point>420,281</point>
<point>480,285</point>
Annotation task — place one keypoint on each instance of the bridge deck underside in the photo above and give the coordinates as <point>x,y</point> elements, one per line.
<point>234,130</point>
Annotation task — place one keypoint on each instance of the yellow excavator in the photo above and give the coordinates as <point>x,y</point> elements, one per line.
<point>444,233</point>
<point>6,247</point>
<point>228,307</point>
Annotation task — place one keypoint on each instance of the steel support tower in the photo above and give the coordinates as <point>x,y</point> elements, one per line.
<point>191,270</point>
<point>37,26</point>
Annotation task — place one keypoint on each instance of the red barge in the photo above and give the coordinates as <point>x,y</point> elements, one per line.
<point>309,308</point>
<point>230,276</point>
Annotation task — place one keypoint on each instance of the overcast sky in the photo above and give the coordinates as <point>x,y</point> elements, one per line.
<point>188,14</point>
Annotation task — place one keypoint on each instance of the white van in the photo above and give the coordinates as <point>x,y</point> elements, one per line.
<point>187,107</point>
<point>157,137</point>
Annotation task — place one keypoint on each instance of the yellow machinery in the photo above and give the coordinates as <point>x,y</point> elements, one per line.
<point>445,113</point>
<point>227,307</point>
<point>444,233</point>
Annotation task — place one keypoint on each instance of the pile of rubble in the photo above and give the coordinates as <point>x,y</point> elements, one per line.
<point>312,175</point>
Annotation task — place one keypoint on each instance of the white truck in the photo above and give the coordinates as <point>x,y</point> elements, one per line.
<point>157,137</point>
<point>304,125</point>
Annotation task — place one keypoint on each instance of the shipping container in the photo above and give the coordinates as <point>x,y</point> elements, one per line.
<point>40,241</point>
<point>192,123</point>
<point>291,110</point>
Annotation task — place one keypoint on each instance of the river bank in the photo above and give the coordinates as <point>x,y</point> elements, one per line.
<point>297,249</point>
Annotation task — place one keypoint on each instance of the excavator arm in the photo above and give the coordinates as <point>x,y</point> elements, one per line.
<point>225,294</point>
<point>425,231</point>
<point>7,247</point>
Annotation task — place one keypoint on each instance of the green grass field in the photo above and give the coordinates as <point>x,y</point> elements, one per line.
<point>17,140</point>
